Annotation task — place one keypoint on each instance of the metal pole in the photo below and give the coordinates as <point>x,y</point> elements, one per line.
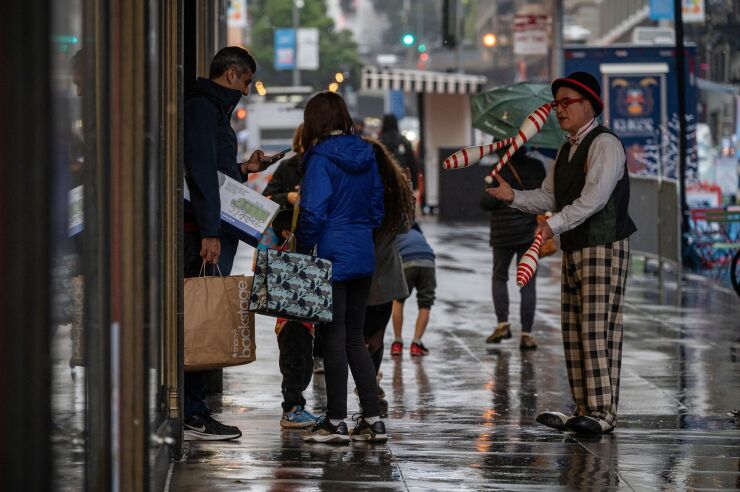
<point>556,58</point>
<point>681,86</point>
<point>459,32</point>
<point>296,71</point>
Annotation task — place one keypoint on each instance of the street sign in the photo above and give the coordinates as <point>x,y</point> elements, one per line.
<point>531,34</point>
<point>285,49</point>
<point>308,48</point>
<point>237,13</point>
<point>693,10</point>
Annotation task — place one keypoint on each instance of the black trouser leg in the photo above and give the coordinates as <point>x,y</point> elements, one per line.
<point>296,363</point>
<point>376,321</point>
<point>344,344</point>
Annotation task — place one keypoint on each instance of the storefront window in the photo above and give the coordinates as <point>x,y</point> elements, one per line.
<point>69,373</point>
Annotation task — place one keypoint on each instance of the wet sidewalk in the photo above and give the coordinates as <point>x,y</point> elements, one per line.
<point>463,417</point>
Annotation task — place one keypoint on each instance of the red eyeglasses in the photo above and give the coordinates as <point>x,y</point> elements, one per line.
<point>566,101</point>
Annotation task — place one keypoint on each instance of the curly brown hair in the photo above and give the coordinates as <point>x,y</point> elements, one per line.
<point>398,197</point>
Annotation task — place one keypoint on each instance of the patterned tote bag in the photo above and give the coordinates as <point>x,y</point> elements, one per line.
<point>292,285</point>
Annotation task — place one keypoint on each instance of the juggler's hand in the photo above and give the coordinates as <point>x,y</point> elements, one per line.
<point>544,228</point>
<point>502,192</point>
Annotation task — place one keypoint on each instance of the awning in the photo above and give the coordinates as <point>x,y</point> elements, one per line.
<point>374,79</point>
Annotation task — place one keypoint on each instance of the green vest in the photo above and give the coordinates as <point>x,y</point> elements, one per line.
<point>610,224</point>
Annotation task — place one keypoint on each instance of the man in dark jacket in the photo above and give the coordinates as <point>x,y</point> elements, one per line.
<point>512,233</point>
<point>400,147</point>
<point>210,145</point>
<point>588,188</point>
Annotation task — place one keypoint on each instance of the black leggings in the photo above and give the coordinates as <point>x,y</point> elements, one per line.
<point>343,344</point>
<point>376,321</point>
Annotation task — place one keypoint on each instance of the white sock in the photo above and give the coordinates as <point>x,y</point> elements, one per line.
<point>416,340</point>
<point>398,339</point>
<point>336,422</point>
<point>372,420</point>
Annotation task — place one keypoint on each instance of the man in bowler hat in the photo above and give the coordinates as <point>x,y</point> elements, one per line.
<point>588,192</point>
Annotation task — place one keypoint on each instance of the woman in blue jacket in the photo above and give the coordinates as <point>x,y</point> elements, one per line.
<point>341,203</point>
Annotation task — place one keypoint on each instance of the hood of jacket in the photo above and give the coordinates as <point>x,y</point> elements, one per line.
<point>349,152</point>
<point>226,99</point>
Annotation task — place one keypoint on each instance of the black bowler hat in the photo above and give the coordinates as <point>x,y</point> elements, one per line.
<point>584,83</point>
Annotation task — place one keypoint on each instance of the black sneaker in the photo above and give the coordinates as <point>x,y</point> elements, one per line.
<point>324,431</point>
<point>364,431</point>
<point>206,428</point>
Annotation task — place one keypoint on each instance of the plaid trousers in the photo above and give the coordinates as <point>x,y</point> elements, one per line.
<point>593,286</point>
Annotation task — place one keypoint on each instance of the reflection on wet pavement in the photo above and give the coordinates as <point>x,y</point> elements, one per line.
<point>463,417</point>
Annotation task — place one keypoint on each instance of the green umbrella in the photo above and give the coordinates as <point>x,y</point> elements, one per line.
<point>501,111</point>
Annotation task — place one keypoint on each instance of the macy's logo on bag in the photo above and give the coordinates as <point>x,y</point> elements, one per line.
<point>242,334</point>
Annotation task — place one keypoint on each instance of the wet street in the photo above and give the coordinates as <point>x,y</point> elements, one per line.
<point>463,417</point>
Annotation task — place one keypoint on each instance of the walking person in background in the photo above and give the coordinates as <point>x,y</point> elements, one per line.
<point>388,282</point>
<point>341,206</point>
<point>588,188</point>
<point>400,147</point>
<point>210,145</point>
<point>512,233</point>
<point>418,268</point>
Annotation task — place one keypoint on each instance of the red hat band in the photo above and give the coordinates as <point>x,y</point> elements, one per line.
<point>584,87</point>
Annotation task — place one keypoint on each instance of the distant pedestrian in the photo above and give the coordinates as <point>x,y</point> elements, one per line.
<point>512,233</point>
<point>341,204</point>
<point>400,147</point>
<point>389,282</point>
<point>418,268</point>
<point>588,188</point>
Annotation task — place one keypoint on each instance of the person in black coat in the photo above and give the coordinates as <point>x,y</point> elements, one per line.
<point>512,233</point>
<point>210,145</point>
<point>285,182</point>
<point>400,147</point>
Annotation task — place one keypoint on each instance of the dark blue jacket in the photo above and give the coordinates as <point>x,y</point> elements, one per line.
<point>210,145</point>
<point>341,203</point>
<point>414,246</point>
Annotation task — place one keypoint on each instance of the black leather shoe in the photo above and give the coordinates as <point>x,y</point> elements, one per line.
<point>588,425</point>
<point>554,420</point>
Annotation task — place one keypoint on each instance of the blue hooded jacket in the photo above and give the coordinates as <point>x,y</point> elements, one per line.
<point>341,204</point>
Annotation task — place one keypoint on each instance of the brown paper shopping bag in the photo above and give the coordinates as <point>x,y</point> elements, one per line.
<point>219,330</point>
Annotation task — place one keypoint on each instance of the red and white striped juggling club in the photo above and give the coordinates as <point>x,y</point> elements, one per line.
<point>471,155</point>
<point>531,126</point>
<point>528,264</point>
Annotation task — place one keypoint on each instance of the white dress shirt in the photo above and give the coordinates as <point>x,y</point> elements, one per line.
<point>605,167</point>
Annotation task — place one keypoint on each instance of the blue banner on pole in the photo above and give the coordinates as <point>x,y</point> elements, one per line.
<point>661,9</point>
<point>396,103</point>
<point>285,49</point>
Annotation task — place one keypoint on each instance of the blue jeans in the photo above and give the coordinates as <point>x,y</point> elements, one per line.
<point>196,382</point>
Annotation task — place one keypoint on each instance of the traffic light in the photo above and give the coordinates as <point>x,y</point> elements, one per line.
<point>489,39</point>
<point>408,39</point>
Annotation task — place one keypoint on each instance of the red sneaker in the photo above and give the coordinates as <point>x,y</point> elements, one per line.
<point>418,349</point>
<point>396,348</point>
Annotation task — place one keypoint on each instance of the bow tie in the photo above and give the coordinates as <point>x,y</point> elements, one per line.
<point>572,140</point>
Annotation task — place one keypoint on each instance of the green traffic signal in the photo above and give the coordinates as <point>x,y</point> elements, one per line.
<point>422,48</point>
<point>408,39</point>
